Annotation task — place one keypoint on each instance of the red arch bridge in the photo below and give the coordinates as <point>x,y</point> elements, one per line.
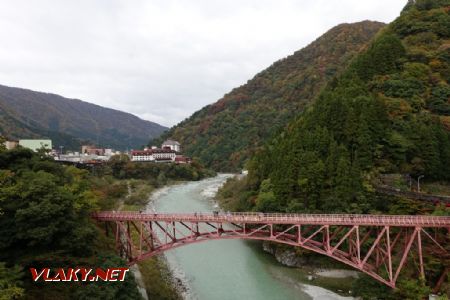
<point>378,245</point>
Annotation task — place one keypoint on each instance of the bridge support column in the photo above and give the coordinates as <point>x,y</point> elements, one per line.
<point>173,232</point>
<point>140,238</point>
<point>219,227</point>
<point>389,252</point>
<point>197,233</point>
<point>327,239</point>
<point>150,226</point>
<point>419,247</point>
<point>299,234</point>
<point>358,247</point>
<point>118,243</point>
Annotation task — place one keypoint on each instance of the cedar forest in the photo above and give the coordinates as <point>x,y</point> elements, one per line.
<point>388,113</point>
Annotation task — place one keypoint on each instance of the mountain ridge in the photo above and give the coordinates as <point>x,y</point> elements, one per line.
<point>225,134</point>
<point>49,114</point>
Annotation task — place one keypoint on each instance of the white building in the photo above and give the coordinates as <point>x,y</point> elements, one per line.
<point>155,155</point>
<point>164,154</point>
<point>81,158</point>
<point>142,155</point>
<point>36,145</point>
<point>172,145</point>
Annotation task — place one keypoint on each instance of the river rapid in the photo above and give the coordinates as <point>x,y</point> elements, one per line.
<point>227,269</point>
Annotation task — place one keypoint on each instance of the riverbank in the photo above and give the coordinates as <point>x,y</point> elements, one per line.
<point>153,276</point>
<point>317,270</point>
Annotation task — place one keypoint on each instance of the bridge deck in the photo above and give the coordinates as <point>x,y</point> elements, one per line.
<point>279,218</point>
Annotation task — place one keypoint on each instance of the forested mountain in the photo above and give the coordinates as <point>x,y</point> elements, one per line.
<point>30,114</point>
<point>223,135</point>
<point>387,113</point>
<point>12,128</point>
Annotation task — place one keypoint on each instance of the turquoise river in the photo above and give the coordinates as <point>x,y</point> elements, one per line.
<point>227,269</point>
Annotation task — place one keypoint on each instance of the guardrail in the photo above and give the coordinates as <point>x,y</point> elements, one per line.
<point>257,217</point>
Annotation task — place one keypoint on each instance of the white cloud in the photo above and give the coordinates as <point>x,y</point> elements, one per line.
<point>161,60</point>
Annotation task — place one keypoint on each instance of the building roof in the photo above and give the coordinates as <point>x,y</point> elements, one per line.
<point>171,142</point>
<point>163,151</point>
<point>151,151</point>
<point>141,152</point>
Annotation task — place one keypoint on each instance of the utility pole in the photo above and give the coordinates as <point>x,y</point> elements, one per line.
<point>418,182</point>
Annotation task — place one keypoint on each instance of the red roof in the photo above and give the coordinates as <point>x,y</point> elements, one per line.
<point>141,152</point>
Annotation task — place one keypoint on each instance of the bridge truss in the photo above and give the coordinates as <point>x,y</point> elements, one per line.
<point>377,245</point>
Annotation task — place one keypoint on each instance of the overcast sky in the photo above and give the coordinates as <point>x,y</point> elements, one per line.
<point>161,60</point>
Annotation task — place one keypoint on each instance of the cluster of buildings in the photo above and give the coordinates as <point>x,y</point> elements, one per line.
<point>89,154</point>
<point>170,152</point>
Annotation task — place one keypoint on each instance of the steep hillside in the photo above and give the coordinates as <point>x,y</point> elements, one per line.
<point>25,113</point>
<point>223,135</point>
<point>387,113</point>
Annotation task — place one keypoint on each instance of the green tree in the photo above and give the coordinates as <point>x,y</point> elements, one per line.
<point>117,164</point>
<point>106,290</point>
<point>266,200</point>
<point>383,57</point>
<point>413,289</point>
<point>11,285</point>
<point>39,213</point>
<point>2,143</point>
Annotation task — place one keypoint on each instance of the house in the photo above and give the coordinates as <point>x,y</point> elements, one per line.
<point>172,145</point>
<point>95,151</point>
<point>84,148</point>
<point>11,144</point>
<point>181,159</point>
<point>92,150</point>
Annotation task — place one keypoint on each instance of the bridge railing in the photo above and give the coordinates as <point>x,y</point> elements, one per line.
<point>255,217</point>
